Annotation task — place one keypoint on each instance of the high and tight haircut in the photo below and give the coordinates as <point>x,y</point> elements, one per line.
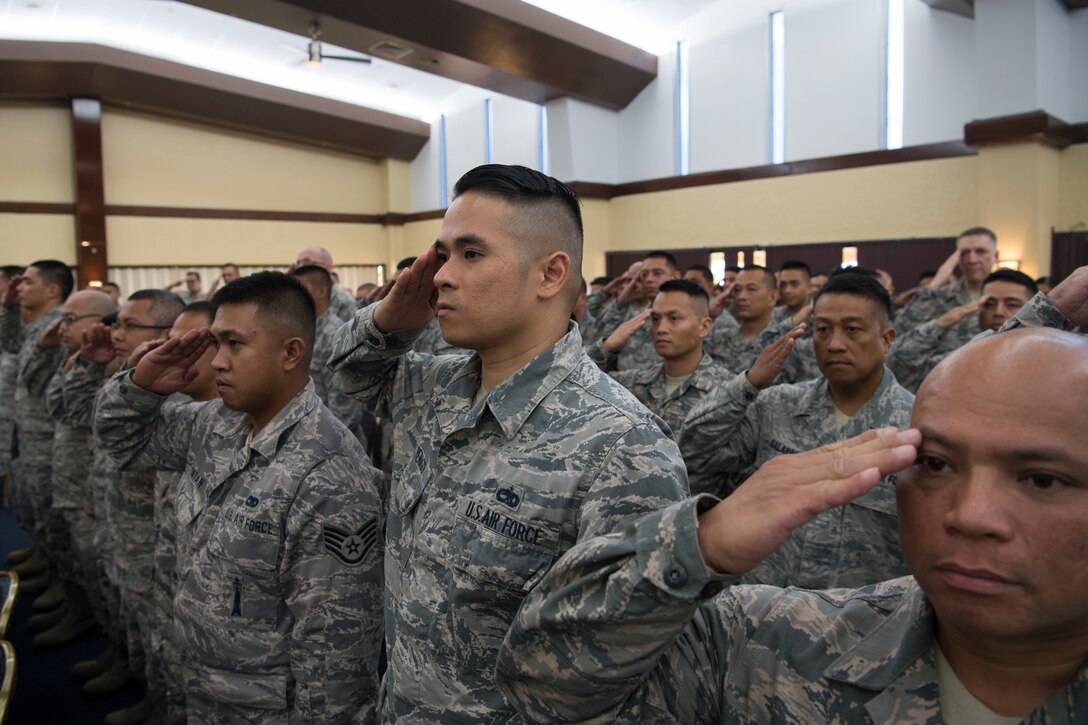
<point>315,274</point>
<point>859,285</point>
<point>200,307</point>
<point>10,270</point>
<point>53,272</point>
<point>1013,276</point>
<point>768,275</point>
<point>984,231</point>
<point>691,289</point>
<point>553,211</point>
<point>405,263</point>
<point>704,270</point>
<point>797,264</point>
<point>165,306</point>
<point>659,254</point>
<point>194,273</point>
<point>283,304</point>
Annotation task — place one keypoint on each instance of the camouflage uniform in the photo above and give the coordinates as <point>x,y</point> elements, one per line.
<point>648,385</point>
<point>279,554</point>
<point>914,354</point>
<point>727,343</point>
<point>33,425</point>
<point>342,304</point>
<point>588,329</point>
<point>72,455</point>
<point>1038,312</point>
<point>624,630</point>
<point>8,369</point>
<point>485,498</point>
<point>80,389</point>
<point>929,304</point>
<point>431,342</point>
<point>346,409</point>
<point>164,657</point>
<point>639,351</point>
<point>738,428</point>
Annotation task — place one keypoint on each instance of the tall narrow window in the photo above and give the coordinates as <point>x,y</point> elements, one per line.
<point>542,140</point>
<point>443,184</point>
<point>489,132</point>
<point>778,87</point>
<point>683,110</point>
<point>893,79</point>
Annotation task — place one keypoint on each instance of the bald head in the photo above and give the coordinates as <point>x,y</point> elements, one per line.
<point>90,301</point>
<point>314,255</point>
<point>1022,365</point>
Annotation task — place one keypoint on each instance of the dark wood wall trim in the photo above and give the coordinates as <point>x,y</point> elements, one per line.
<point>926,152</point>
<point>1033,126</point>
<point>90,241</point>
<point>36,207</point>
<point>245,214</point>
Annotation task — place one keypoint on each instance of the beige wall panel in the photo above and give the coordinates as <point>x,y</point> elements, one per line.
<point>157,241</point>
<point>35,153</point>
<point>27,237</point>
<point>153,161</point>
<point>417,236</point>
<point>923,198</point>
<point>596,217</point>
<point>1073,189</point>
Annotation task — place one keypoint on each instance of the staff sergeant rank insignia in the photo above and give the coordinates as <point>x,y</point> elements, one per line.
<point>350,548</point>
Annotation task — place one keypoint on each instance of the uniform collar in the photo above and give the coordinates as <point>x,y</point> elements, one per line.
<point>514,399</point>
<point>267,442</point>
<point>817,401</point>
<point>701,378</point>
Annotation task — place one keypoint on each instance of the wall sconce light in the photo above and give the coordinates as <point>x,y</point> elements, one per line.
<point>759,257</point>
<point>740,259</point>
<point>849,256</point>
<point>95,283</point>
<point>1009,264</point>
<point>381,274</point>
<point>717,265</point>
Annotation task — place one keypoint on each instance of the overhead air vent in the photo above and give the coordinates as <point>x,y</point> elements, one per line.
<point>389,49</point>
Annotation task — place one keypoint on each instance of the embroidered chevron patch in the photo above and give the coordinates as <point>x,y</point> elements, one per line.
<point>350,548</point>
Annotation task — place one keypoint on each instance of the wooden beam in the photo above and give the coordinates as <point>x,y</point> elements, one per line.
<point>90,239</point>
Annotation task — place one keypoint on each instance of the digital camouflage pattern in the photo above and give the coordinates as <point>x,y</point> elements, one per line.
<point>431,342</point>
<point>8,369</point>
<point>648,386</point>
<point>165,665</point>
<point>914,355</point>
<point>485,497</point>
<point>342,304</point>
<point>737,428</point>
<point>346,409</point>
<point>276,626</point>
<point>929,304</point>
<point>620,631</point>
<point>639,351</point>
<point>1038,312</point>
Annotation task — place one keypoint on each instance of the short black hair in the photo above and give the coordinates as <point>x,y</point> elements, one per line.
<point>734,268</point>
<point>1045,279</point>
<point>702,269</point>
<point>928,273</point>
<point>796,264</point>
<point>283,304</point>
<point>231,264</point>
<point>855,270</point>
<point>200,307</point>
<point>10,270</point>
<point>691,289</point>
<point>984,231</point>
<point>600,280</point>
<point>318,275</point>
<point>1013,276</point>
<point>552,212</point>
<point>53,272</point>
<point>165,306</point>
<point>405,263</point>
<point>194,273</point>
<point>858,284</point>
<point>113,285</point>
<point>659,254</point>
<point>768,275</point>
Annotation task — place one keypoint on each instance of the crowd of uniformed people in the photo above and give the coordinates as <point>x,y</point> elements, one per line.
<point>487,491</point>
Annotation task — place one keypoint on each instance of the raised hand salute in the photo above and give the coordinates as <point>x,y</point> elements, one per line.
<point>170,365</point>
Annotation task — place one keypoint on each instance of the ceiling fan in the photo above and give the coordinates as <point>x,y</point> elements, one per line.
<point>316,56</point>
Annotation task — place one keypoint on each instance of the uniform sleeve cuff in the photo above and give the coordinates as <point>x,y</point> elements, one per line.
<point>140,399</point>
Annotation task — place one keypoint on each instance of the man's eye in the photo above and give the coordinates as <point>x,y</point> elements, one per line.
<point>1043,481</point>
<point>931,464</point>
<point>472,254</point>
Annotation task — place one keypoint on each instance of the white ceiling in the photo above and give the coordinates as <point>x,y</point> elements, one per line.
<point>194,36</point>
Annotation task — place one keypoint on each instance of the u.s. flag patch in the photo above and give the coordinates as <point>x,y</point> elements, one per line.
<point>350,548</point>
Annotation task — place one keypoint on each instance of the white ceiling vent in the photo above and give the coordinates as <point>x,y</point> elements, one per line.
<point>389,49</point>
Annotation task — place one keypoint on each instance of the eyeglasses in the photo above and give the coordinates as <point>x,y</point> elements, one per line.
<point>128,327</point>
<point>70,319</point>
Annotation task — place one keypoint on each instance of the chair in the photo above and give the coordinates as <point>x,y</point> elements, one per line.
<point>9,600</point>
<point>9,678</point>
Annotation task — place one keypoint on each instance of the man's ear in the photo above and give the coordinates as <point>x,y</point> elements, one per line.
<point>554,273</point>
<point>294,351</point>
